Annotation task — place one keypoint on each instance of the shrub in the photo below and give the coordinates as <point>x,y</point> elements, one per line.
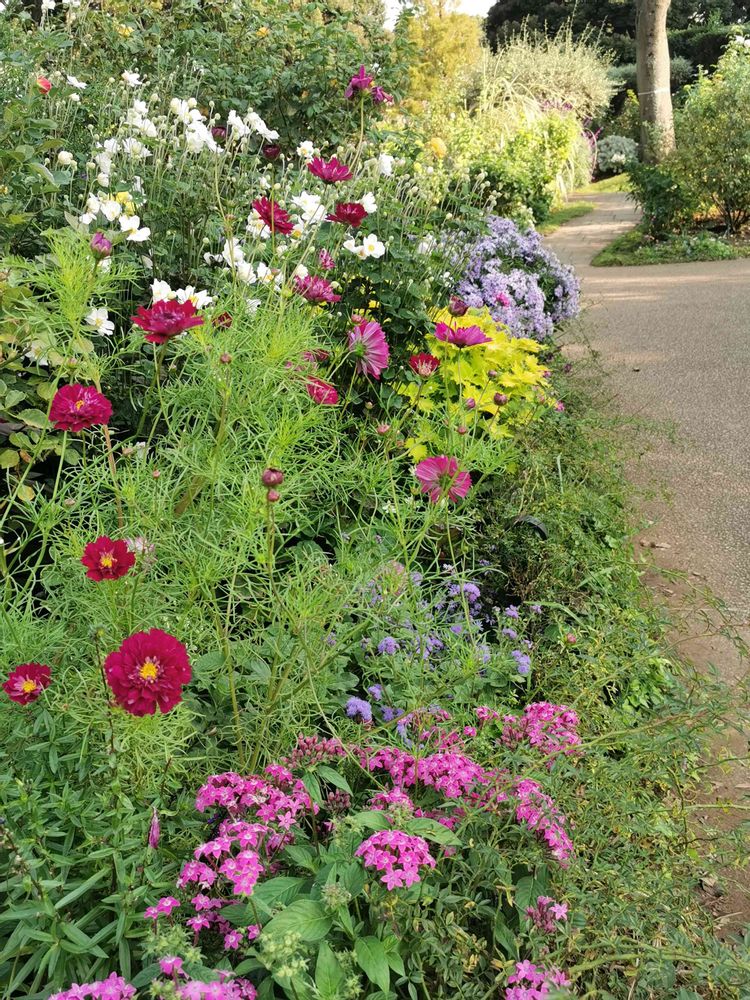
<point>713,137</point>
<point>520,281</point>
<point>615,154</point>
<point>666,200</point>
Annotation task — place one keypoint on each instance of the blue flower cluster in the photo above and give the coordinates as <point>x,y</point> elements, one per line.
<point>523,283</point>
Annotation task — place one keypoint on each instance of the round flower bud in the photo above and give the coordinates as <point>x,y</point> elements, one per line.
<point>100,245</point>
<point>457,307</point>
<point>272,477</point>
<point>470,403</point>
<point>500,398</point>
<point>492,373</point>
<point>383,428</point>
<point>225,359</point>
<point>156,473</point>
<point>369,405</point>
<point>273,496</point>
<point>271,152</point>
<point>461,430</point>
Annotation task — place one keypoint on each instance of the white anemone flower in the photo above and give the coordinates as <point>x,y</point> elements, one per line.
<point>75,82</point>
<point>131,224</point>
<point>368,203</point>
<point>131,78</point>
<point>161,292</point>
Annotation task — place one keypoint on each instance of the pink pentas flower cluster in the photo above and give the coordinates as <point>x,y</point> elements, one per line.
<point>163,908</point>
<point>113,987</point>
<point>546,914</point>
<point>551,729</point>
<point>269,800</point>
<point>533,982</point>
<point>398,855</point>
<point>540,814</point>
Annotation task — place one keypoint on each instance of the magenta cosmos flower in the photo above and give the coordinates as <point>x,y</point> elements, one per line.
<point>166,319</point>
<point>349,213</point>
<point>107,559</point>
<point>461,336</point>
<point>26,683</point>
<point>360,82</point>
<point>273,215</point>
<point>331,171</point>
<point>315,289</point>
<point>77,407</point>
<point>326,260</point>
<point>441,477</point>
<point>321,392</point>
<point>148,670</point>
<point>368,345</point>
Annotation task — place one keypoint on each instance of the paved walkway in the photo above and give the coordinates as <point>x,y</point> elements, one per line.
<point>676,340</point>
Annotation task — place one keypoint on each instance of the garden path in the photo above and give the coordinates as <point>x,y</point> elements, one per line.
<point>674,339</point>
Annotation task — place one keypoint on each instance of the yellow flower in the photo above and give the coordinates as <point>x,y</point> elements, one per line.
<point>124,30</point>
<point>437,147</point>
<point>263,31</point>
<point>124,198</point>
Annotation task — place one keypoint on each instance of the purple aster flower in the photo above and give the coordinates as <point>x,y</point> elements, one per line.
<point>358,707</point>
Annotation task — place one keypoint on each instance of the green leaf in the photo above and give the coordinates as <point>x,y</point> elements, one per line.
<point>305,917</point>
<point>8,458</point>
<point>334,778</point>
<point>371,819</point>
<point>373,960</point>
<point>79,890</point>
<point>396,962</point>
<point>34,418</point>
<point>432,830</point>
<point>328,972</point>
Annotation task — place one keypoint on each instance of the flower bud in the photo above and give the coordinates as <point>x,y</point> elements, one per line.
<point>271,152</point>
<point>500,398</point>
<point>272,477</point>
<point>44,84</point>
<point>225,359</point>
<point>492,373</point>
<point>470,403</point>
<point>369,405</point>
<point>273,496</point>
<point>223,321</point>
<point>154,830</point>
<point>461,430</point>
<point>457,307</point>
<point>156,473</point>
<point>383,428</point>
<point>100,245</point>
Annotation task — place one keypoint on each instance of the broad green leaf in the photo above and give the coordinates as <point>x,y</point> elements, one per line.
<point>305,917</point>
<point>8,458</point>
<point>373,960</point>
<point>34,418</point>
<point>328,972</point>
<point>432,830</point>
<point>334,778</point>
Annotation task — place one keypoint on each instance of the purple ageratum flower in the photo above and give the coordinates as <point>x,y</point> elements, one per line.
<point>523,661</point>
<point>510,632</point>
<point>511,611</point>
<point>536,609</point>
<point>389,713</point>
<point>376,692</point>
<point>358,707</point>
<point>388,646</point>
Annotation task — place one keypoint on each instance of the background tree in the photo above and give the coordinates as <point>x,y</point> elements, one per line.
<point>445,43</point>
<point>654,91</point>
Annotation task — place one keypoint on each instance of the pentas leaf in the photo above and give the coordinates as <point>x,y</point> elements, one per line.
<point>372,959</point>
<point>305,917</point>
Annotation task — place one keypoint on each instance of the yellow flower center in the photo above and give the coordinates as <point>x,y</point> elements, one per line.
<point>28,686</point>
<point>107,560</point>
<point>149,671</point>
<point>78,404</point>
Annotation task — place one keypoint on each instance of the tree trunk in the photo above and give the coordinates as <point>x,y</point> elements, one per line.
<point>653,74</point>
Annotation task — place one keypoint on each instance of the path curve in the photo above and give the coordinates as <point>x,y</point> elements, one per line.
<point>675,339</point>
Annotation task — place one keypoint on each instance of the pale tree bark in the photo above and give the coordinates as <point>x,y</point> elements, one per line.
<point>653,75</point>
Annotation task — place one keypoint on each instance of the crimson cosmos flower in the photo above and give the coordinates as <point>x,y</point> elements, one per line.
<point>368,344</point>
<point>424,365</point>
<point>441,477</point>
<point>107,559</point>
<point>321,392</point>
<point>461,336</point>
<point>315,289</point>
<point>349,213</point>
<point>331,171</point>
<point>273,215</point>
<point>166,319</point>
<point>77,407</point>
<point>361,81</point>
<point>148,670</point>
<point>26,683</point>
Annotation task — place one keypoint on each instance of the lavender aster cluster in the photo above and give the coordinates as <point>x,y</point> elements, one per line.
<point>522,282</point>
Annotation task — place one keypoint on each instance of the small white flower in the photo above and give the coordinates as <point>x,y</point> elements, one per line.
<point>300,271</point>
<point>200,299</point>
<point>233,253</point>
<point>48,4</point>
<point>427,245</point>
<point>99,320</point>
<point>385,164</point>
<point>252,305</point>
<point>368,203</point>
<point>257,227</point>
<point>373,246</point>
<point>245,272</point>
<point>131,225</point>
<point>65,158</point>
<point>310,207</point>
<point>37,351</point>
<point>357,249</point>
<point>131,78</point>
<point>258,125</point>
<point>198,137</point>
<point>75,98</point>
<point>306,150</point>
<point>102,180</point>
<point>161,292</point>
<point>75,82</point>
<point>135,149</point>
<point>110,208</point>
<point>239,130</point>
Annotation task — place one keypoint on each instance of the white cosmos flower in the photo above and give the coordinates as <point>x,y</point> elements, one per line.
<point>385,164</point>
<point>131,78</point>
<point>99,320</point>
<point>135,149</point>
<point>200,299</point>
<point>233,253</point>
<point>131,224</point>
<point>75,82</point>
<point>368,203</point>
<point>306,150</point>
<point>161,292</point>
<point>373,246</point>
<point>258,125</point>
<point>64,158</point>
